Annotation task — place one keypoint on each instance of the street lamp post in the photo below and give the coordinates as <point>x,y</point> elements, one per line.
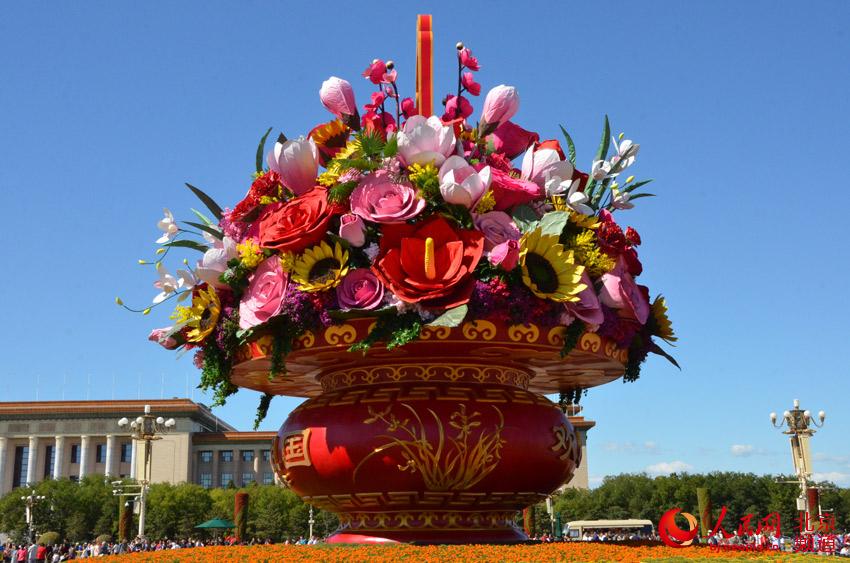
<point>30,500</point>
<point>800,428</point>
<point>146,428</point>
<point>311,521</point>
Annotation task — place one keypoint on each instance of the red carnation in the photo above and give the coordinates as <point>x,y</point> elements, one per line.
<point>266,185</point>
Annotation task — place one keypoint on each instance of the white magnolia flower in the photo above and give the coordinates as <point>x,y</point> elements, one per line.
<point>626,153</point>
<point>575,200</point>
<point>620,200</point>
<point>168,284</point>
<point>460,184</point>
<point>168,226</point>
<point>425,140</point>
<point>214,262</point>
<point>600,170</point>
<point>540,163</point>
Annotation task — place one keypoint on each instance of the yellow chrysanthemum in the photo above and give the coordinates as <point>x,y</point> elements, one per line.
<point>320,267</point>
<point>327,179</point>
<point>417,172</point>
<point>549,271</point>
<point>202,316</point>
<point>486,203</point>
<point>287,262</point>
<point>250,253</point>
<point>589,255</point>
<point>664,328</point>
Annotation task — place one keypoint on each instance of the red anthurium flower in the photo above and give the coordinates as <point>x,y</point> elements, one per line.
<point>430,262</point>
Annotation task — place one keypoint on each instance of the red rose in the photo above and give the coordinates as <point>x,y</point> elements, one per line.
<point>436,273</point>
<point>296,224</point>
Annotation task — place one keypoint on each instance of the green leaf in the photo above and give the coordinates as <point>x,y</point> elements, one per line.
<point>451,318</point>
<point>391,148</point>
<point>202,217</point>
<point>194,245</point>
<point>553,223</point>
<point>638,196</point>
<point>525,218</point>
<point>261,149</point>
<point>206,228</point>
<point>636,185</point>
<point>571,147</point>
<point>656,349</point>
<point>207,200</point>
<point>602,153</point>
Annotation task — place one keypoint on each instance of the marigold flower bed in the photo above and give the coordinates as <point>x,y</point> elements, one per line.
<point>574,552</point>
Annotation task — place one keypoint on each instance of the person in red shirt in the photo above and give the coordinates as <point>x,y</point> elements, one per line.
<point>22,554</point>
<point>40,553</point>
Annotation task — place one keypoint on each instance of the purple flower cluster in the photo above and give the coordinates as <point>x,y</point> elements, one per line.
<point>494,299</point>
<point>308,311</point>
<point>620,330</point>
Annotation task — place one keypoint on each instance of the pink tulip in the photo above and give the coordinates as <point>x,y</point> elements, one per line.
<point>619,291</point>
<point>501,104</point>
<point>511,140</point>
<point>338,96</point>
<point>297,162</point>
<point>505,255</point>
<point>353,229</point>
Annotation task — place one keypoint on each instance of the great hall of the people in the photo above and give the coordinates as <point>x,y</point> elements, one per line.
<point>73,439</point>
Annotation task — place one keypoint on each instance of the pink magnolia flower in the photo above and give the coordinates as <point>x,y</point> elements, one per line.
<point>501,104</point>
<point>497,227</point>
<point>297,162</point>
<point>338,96</point>
<point>214,261</point>
<point>425,140</point>
<point>375,71</point>
<point>263,299</point>
<point>377,198</point>
<point>460,184</point>
<point>452,108</point>
<point>353,229</point>
<point>587,308</point>
<point>512,140</point>
<point>467,60</point>
<point>620,291</point>
<point>360,289</point>
<point>162,337</point>
<point>510,192</point>
<point>468,82</point>
<point>505,255</point>
<point>541,164</point>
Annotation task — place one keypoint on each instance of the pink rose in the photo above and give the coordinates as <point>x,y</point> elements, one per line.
<point>510,192</point>
<point>620,291</point>
<point>511,140</point>
<point>353,229</point>
<point>360,289</point>
<point>377,198</point>
<point>505,255</point>
<point>587,308</point>
<point>264,297</point>
<point>498,227</point>
<point>161,337</point>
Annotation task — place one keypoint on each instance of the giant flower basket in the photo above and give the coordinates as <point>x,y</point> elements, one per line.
<point>423,281</point>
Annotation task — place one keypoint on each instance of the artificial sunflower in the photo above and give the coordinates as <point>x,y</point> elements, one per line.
<point>663,326</point>
<point>320,267</point>
<point>202,316</point>
<point>330,138</point>
<point>549,271</point>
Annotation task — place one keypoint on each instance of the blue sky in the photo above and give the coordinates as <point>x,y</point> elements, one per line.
<point>740,108</point>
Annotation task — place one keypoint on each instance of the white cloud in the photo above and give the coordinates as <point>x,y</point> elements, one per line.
<point>594,481</point>
<point>668,467</point>
<point>632,448</point>
<point>742,450</point>
<point>835,476</point>
<point>839,459</point>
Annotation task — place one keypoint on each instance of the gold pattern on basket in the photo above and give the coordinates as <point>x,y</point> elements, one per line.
<point>529,333</point>
<point>566,444</point>
<point>424,372</point>
<point>479,330</point>
<point>306,340</point>
<point>590,342</point>
<point>436,332</point>
<point>296,449</point>
<point>458,463</point>
<point>340,334</point>
<point>432,500</point>
<point>428,520</point>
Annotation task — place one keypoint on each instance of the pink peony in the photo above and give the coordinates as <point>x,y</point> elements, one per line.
<point>619,291</point>
<point>497,227</point>
<point>263,299</point>
<point>505,255</point>
<point>352,229</point>
<point>587,308</point>
<point>360,289</point>
<point>510,192</point>
<point>377,198</point>
<point>425,140</point>
<point>511,140</point>
<point>161,337</point>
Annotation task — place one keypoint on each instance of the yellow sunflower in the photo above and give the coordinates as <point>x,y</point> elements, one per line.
<point>320,267</point>
<point>202,316</point>
<point>664,328</point>
<point>548,270</point>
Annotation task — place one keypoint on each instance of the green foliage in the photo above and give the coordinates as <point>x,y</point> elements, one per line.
<point>49,538</point>
<point>209,202</point>
<point>261,149</point>
<point>395,330</point>
<point>452,317</point>
<point>262,409</point>
<point>175,510</point>
<point>371,143</point>
<point>340,193</point>
<point>571,146</point>
<point>571,336</point>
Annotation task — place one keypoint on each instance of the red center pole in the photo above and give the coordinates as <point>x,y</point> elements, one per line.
<point>424,65</point>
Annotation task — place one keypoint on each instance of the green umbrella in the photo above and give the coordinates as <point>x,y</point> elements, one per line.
<point>217,524</point>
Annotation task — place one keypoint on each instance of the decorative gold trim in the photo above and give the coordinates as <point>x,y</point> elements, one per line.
<point>371,375</point>
<point>427,520</point>
<point>529,333</point>
<point>479,330</point>
<point>436,332</point>
<point>431,500</point>
<point>298,443</point>
<point>340,334</point>
<point>566,444</point>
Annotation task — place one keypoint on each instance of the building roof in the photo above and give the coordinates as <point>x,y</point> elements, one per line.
<point>96,409</point>
<point>232,437</point>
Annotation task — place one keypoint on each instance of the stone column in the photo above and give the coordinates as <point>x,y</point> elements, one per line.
<point>110,456</point>
<point>133,457</point>
<point>84,456</point>
<point>3,453</point>
<point>58,457</point>
<point>237,467</point>
<point>215,475</point>
<point>31,460</point>
<point>257,477</point>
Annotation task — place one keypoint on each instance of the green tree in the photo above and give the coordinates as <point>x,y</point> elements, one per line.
<point>174,510</point>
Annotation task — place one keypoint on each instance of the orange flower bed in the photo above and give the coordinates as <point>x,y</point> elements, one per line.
<point>572,552</point>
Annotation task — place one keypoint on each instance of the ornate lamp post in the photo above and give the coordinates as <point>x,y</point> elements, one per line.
<point>800,428</point>
<point>311,521</point>
<point>30,500</point>
<point>146,428</point>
